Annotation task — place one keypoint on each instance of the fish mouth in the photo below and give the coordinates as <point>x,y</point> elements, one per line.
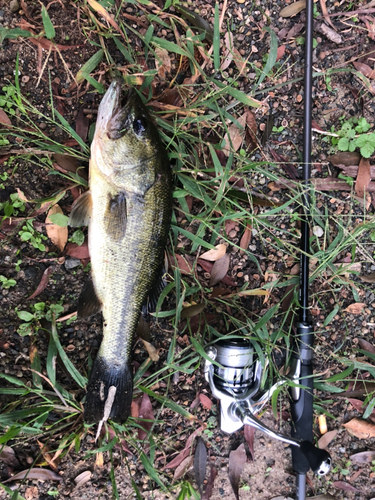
<point>116,111</point>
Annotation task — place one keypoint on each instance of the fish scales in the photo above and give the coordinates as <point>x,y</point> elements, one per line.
<point>128,209</point>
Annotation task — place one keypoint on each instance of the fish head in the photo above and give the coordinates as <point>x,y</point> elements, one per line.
<point>125,136</point>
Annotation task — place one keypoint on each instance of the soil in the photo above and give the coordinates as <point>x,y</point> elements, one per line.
<point>269,475</point>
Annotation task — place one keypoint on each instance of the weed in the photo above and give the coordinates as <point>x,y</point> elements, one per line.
<point>13,206</point>
<point>30,234</point>
<point>32,319</point>
<point>352,135</point>
<point>7,283</point>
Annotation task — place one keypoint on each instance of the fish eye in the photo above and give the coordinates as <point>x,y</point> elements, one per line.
<point>140,125</point>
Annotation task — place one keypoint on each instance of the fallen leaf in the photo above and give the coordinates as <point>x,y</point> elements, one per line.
<point>207,266</point>
<point>293,9</point>
<point>342,485</point>
<point>357,404</point>
<point>323,6</point>
<point>82,124</point>
<point>146,412</point>
<point>364,457</point>
<point>43,283</point>
<point>4,118</point>
<point>326,439</point>
<point>151,351</point>
<point>236,136</point>
<point>206,401</point>
<point>330,33</point>
<point>186,451</point>
<point>360,428</point>
<point>355,308</point>
<point>210,485</point>
<point>251,132</point>
<point>237,460</point>
<point>363,177</point>
<point>182,263</point>
<point>8,456</point>
<point>35,473</point>
<point>249,433</point>
<point>57,234</point>
<point>288,166</point>
<point>295,29</point>
<point>215,253</point>
<point>183,468</point>
<point>219,269</point>
<point>345,158</point>
<point>99,459</point>
<point>366,346</point>
<point>280,52</point>
<point>370,25</point>
<point>245,239</point>
<point>368,278</point>
<point>162,62</point>
<point>31,492</point>
<point>101,10</point>
<point>200,463</point>
<point>189,312</point>
<point>364,69</point>
<point>78,251</point>
<point>82,479</point>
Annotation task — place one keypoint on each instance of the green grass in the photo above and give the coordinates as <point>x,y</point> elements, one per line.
<point>194,139</point>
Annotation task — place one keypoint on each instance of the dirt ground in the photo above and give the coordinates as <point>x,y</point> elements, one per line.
<point>269,475</point>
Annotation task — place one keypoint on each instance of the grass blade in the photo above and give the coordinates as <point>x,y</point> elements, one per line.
<point>216,42</point>
<point>47,24</point>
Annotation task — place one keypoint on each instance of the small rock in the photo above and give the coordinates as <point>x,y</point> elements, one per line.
<point>14,6</point>
<point>318,231</point>
<point>72,263</point>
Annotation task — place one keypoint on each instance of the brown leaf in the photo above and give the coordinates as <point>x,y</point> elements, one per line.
<point>280,52</point>
<point>182,263</point>
<point>245,240</point>
<point>230,225</point>
<point>99,459</point>
<point>31,492</point>
<point>215,253</point>
<point>189,312</point>
<point>219,269</point>
<point>57,234</point>
<point>206,401</point>
<point>368,278</point>
<point>288,166</point>
<point>43,283</point>
<point>323,6</point>
<point>251,131</point>
<point>342,485</point>
<point>366,346</point>
<point>200,463</point>
<point>295,29</point>
<point>183,468</point>
<point>210,485</point>
<point>82,479</point>
<point>8,456</point>
<point>4,118</point>
<point>364,457</point>
<point>363,177</point>
<point>360,428</point>
<point>146,412</point>
<point>237,460</point>
<point>82,124</point>
<point>330,33</point>
<point>162,62</point>
<point>186,451</point>
<point>355,308</point>
<point>78,251</point>
<point>370,25</point>
<point>207,266</point>
<point>249,433</point>
<point>35,473</point>
<point>151,351</point>
<point>345,158</point>
<point>236,136</point>
<point>101,10</point>
<point>364,69</point>
<point>293,9</point>
<point>326,439</point>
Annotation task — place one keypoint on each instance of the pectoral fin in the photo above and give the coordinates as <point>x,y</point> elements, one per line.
<point>116,217</point>
<point>88,302</point>
<point>81,211</point>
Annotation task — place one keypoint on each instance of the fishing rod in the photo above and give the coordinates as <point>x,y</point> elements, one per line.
<point>232,368</point>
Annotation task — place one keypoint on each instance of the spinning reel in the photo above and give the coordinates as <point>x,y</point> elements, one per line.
<point>235,376</point>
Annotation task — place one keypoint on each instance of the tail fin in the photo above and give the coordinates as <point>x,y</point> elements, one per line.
<point>110,390</point>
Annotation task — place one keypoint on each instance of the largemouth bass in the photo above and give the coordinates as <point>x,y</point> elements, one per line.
<point>128,211</point>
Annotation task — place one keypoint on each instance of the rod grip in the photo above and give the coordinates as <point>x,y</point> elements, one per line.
<point>302,418</point>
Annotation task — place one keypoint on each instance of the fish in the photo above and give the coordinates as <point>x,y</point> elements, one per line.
<point>128,210</point>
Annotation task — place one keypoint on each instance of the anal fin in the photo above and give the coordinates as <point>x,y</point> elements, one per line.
<point>88,302</point>
<point>81,211</point>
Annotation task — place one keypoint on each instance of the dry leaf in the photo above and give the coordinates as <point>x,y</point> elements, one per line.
<point>210,485</point>
<point>82,479</point>
<point>4,119</point>
<point>186,451</point>
<point>323,6</point>
<point>326,439</point>
<point>219,269</point>
<point>370,25</point>
<point>280,52</point>
<point>43,283</point>
<point>146,412</point>
<point>215,253</point>
<point>82,124</point>
<point>78,251</point>
<point>162,62</point>
<point>31,492</point>
<point>35,473</point>
<point>360,428</point>
<point>345,158</point>
<point>57,234</point>
<point>293,9</point>
<point>189,312</point>
<point>369,278</point>
<point>237,460</point>
<point>152,352</point>
<point>295,29</point>
<point>200,463</point>
<point>207,266</point>
<point>249,433</point>
<point>330,33</point>
<point>183,468</point>
<point>236,136</point>
<point>101,10</point>
<point>363,177</point>
<point>245,240</point>
<point>8,456</point>
<point>355,308</point>
<point>363,457</point>
<point>206,401</point>
<point>364,69</point>
<point>342,485</point>
<point>182,263</point>
<point>366,346</point>
<point>99,459</point>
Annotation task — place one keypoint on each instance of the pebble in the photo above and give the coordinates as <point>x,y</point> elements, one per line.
<point>14,6</point>
<point>71,263</point>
